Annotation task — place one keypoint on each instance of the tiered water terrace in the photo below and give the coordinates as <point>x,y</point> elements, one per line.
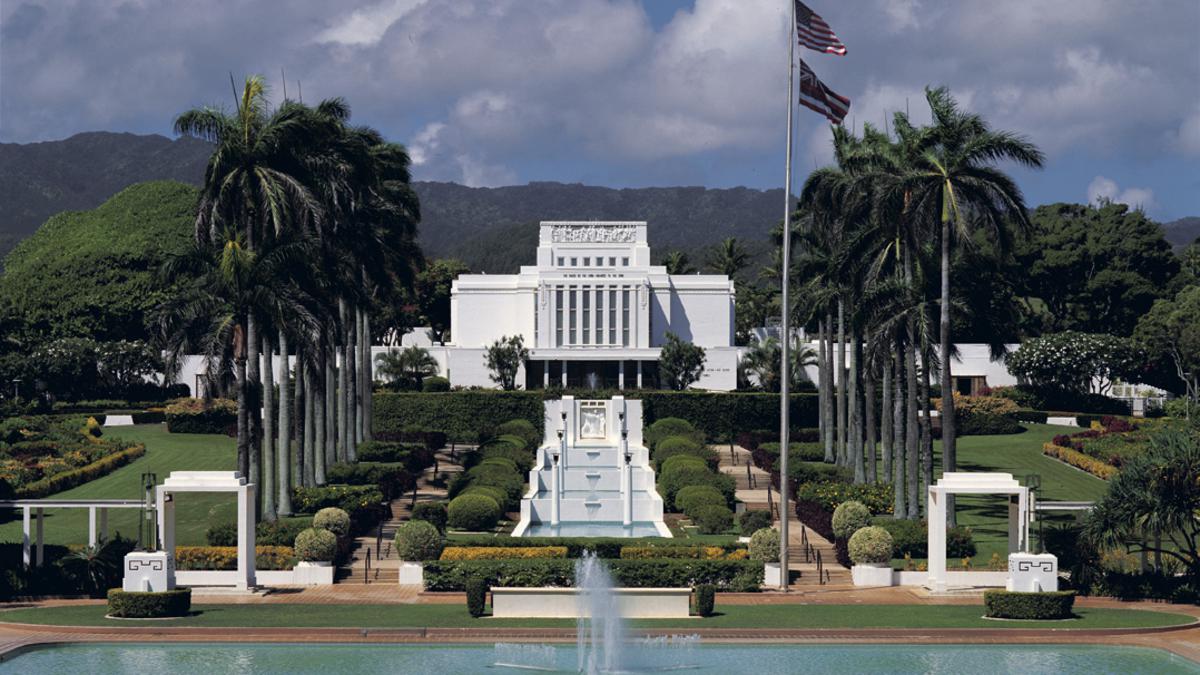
<point>593,476</point>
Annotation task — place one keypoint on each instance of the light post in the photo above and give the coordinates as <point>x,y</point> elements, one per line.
<point>16,389</point>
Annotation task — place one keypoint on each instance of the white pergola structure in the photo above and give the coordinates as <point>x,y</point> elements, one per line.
<point>960,483</point>
<point>211,481</point>
<point>34,511</point>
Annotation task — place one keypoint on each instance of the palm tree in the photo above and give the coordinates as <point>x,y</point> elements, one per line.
<point>677,262</point>
<point>953,181</point>
<point>728,257</point>
<point>764,360</point>
<point>407,367</point>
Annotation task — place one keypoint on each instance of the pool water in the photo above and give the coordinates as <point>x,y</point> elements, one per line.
<point>591,529</point>
<point>327,659</point>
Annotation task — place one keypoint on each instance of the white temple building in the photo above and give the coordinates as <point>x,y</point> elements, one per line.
<point>593,312</point>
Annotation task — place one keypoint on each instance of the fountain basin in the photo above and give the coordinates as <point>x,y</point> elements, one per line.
<point>565,603</point>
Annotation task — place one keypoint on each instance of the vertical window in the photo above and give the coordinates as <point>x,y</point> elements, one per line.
<point>574,262</point>
<point>612,317</point>
<point>625,317</point>
<point>599,261</point>
<point>624,262</point>
<point>587,262</point>
<point>560,261</point>
<point>599,316</point>
<point>587,315</point>
<point>572,315</point>
<point>558,317</point>
<point>612,262</point>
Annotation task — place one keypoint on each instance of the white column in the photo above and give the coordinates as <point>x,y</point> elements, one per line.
<point>626,484</point>
<point>1014,523</point>
<point>554,483</point>
<point>41,553</point>
<point>937,541</point>
<point>25,557</point>
<point>620,314</point>
<point>620,371</point>
<point>639,374</point>
<point>564,374</point>
<point>245,565</point>
<point>546,374</point>
<point>92,526</point>
<point>602,306</point>
<point>579,291</point>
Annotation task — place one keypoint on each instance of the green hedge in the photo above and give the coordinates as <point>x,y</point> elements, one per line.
<point>1031,416</point>
<point>74,478</point>
<point>463,415</point>
<point>1046,605</point>
<point>727,575</point>
<point>603,547</point>
<point>138,605</point>
<point>391,479</point>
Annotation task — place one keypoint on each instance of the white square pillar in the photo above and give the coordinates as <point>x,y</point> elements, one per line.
<point>245,564</point>
<point>937,541</point>
<point>25,551</point>
<point>639,377</point>
<point>92,526</point>
<point>1014,524</point>
<point>621,374</point>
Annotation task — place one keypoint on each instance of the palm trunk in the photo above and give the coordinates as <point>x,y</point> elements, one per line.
<point>855,427</point>
<point>360,417</point>
<point>912,429</point>
<point>949,415</point>
<point>927,426</point>
<point>310,439</point>
<point>841,385</point>
<point>320,449</point>
<point>331,450</point>
<point>283,452</point>
<point>885,417</point>
<point>830,423</point>
<point>898,501</point>
<point>298,467</point>
<point>823,388</point>
<point>368,377</point>
<point>268,446</point>
<point>254,402</point>
<point>343,400</point>
<point>243,417</point>
<point>869,404</point>
<point>351,392</point>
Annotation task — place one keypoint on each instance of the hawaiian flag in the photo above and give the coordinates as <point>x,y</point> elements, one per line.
<point>815,96</point>
<point>814,33</point>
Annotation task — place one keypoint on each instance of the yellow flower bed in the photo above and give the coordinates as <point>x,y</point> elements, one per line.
<point>225,557</point>
<point>1080,461</point>
<point>502,552</point>
<point>681,552</point>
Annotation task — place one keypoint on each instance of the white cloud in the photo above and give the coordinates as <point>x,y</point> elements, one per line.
<point>1101,189</point>
<point>366,26</point>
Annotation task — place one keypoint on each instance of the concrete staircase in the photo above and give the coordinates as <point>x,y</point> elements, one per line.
<point>376,546</point>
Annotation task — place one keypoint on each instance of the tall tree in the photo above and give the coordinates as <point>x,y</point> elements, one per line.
<point>728,257</point>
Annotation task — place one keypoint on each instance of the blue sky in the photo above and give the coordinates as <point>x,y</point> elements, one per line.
<point>636,93</point>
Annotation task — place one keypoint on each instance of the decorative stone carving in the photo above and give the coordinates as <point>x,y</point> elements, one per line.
<point>592,233</point>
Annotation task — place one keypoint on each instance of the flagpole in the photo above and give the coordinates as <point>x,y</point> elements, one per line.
<point>785,336</point>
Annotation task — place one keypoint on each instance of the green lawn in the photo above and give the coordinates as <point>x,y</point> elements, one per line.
<point>732,616</point>
<point>1021,455</point>
<point>164,453</point>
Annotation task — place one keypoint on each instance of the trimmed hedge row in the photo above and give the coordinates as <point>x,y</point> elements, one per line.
<point>682,552</point>
<point>197,416</point>
<point>726,575</point>
<point>281,532</point>
<point>153,605</point>
<point>465,416</point>
<point>576,546</point>
<point>1043,606</point>
<point>74,478</point>
<point>392,479</point>
<point>502,552</point>
<point>1080,461</point>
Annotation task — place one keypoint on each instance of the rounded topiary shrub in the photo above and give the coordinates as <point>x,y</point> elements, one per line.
<point>477,590</point>
<point>333,519</point>
<point>316,545</point>
<point>433,513</point>
<point>764,545</point>
<point>505,463</point>
<point>672,464</point>
<point>418,541</point>
<point>688,499</point>
<point>712,518</point>
<point>753,520</point>
<point>492,491</point>
<point>849,517</point>
<point>870,545</point>
<point>149,605</point>
<point>523,429</point>
<point>667,426</point>
<point>435,384</point>
<point>706,596</point>
<point>681,445</point>
<point>473,512</point>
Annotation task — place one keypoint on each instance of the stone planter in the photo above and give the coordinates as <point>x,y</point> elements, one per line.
<point>412,574</point>
<point>872,574</point>
<point>772,575</point>
<point>313,574</point>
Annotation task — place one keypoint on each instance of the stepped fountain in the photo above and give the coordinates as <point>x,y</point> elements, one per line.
<point>592,476</point>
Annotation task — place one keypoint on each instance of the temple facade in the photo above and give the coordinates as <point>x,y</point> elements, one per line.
<point>593,312</point>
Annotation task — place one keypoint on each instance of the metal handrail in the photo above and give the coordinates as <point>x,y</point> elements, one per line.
<point>367,569</point>
<point>820,570</point>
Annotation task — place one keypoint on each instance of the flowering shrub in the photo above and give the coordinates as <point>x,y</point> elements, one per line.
<point>849,517</point>
<point>980,405</point>
<point>42,455</point>
<point>764,545</point>
<point>1074,362</point>
<point>503,552</point>
<point>316,545</point>
<point>1080,461</point>
<point>200,416</point>
<point>224,558</point>
<point>870,545</point>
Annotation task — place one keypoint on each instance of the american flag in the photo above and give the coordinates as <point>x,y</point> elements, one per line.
<point>814,33</point>
<point>815,96</point>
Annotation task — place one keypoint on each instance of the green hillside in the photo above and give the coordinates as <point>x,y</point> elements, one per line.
<point>92,273</point>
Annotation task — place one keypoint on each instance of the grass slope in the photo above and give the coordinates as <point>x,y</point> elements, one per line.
<point>164,453</point>
<point>732,616</point>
